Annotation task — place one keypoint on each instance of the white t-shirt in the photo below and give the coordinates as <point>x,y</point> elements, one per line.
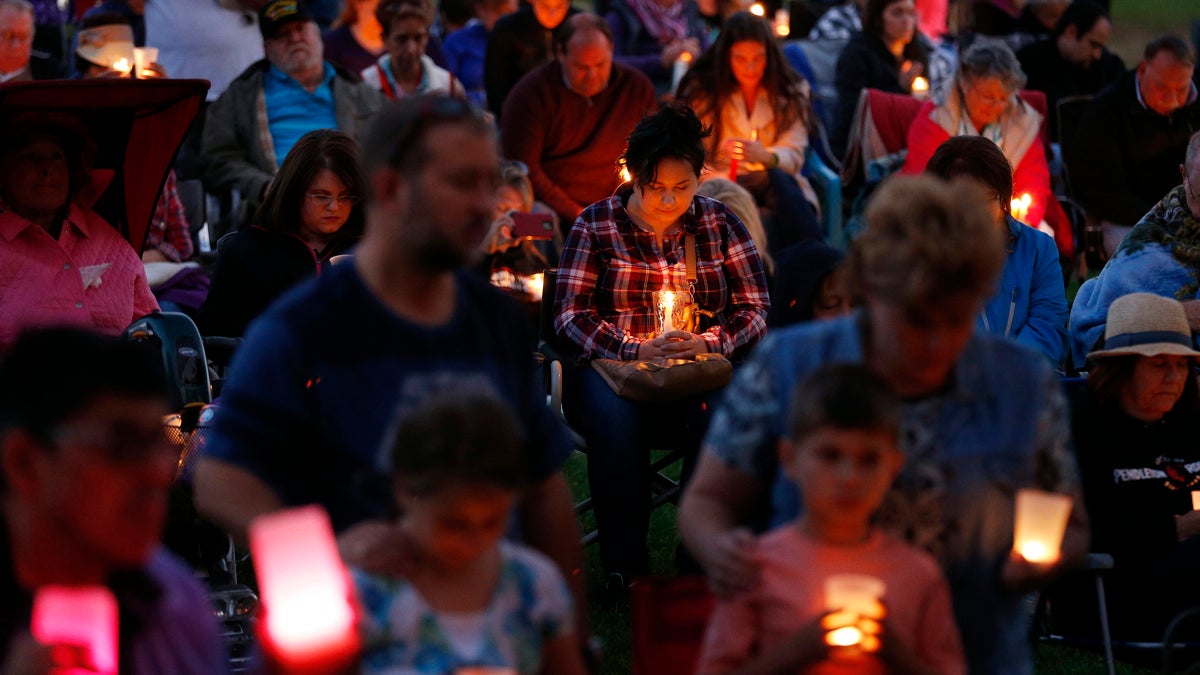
<point>202,40</point>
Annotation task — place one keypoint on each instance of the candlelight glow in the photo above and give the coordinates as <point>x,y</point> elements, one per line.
<point>783,22</point>
<point>624,173</point>
<point>757,9</point>
<point>1035,551</point>
<point>1196,501</point>
<point>666,306</point>
<point>686,57</point>
<point>82,618</point>
<point>122,65</point>
<point>844,637</point>
<point>534,285</point>
<point>1039,523</point>
<point>1019,206</point>
<point>920,84</point>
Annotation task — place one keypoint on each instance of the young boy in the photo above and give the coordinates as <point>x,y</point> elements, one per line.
<point>843,455</point>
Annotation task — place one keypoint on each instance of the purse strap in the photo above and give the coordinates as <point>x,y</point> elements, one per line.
<point>689,256</point>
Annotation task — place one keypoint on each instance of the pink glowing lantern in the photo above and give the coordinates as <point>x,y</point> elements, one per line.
<point>79,624</point>
<point>309,619</point>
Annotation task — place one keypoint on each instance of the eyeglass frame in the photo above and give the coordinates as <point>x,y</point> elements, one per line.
<point>324,201</point>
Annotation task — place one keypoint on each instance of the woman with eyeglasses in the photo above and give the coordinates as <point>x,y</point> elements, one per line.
<point>982,100</point>
<point>310,214</point>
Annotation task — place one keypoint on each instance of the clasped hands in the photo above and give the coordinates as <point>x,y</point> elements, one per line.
<point>675,344</point>
<point>746,149</point>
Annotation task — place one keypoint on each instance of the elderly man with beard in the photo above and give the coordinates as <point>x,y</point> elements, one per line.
<point>252,126</point>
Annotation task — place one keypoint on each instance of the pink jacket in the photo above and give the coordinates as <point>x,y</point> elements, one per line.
<point>90,277</point>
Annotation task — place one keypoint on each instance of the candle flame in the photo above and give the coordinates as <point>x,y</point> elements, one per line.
<point>686,57</point>
<point>1035,551</point>
<point>757,9</point>
<point>845,636</point>
<point>920,84</point>
<point>122,65</point>
<point>782,29</point>
<point>624,174</point>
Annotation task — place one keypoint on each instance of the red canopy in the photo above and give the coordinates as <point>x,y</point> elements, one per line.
<point>137,126</point>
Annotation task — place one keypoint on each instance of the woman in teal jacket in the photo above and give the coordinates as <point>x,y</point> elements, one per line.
<point>1030,304</point>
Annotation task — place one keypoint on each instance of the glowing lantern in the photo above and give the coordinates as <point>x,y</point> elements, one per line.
<point>783,23</point>
<point>80,623</point>
<point>1041,521</point>
<point>1019,207</point>
<point>855,600</point>
<point>309,621</point>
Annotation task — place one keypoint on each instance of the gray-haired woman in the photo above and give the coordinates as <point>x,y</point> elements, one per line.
<point>982,101</point>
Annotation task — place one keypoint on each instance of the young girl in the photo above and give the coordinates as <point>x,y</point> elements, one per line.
<point>466,597</point>
<point>842,453</point>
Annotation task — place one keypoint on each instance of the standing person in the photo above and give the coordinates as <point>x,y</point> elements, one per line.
<point>311,213</point>
<point>519,43</point>
<point>619,252</point>
<point>981,417</point>
<point>405,69</point>
<point>304,412</point>
<point>887,55</point>
<point>1030,303</point>
<point>568,119</point>
<point>758,108</point>
<point>1145,119</point>
<point>468,600</point>
<point>841,449</point>
<point>252,127</point>
<point>85,471</point>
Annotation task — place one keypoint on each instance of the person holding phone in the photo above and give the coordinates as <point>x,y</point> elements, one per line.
<point>523,239</point>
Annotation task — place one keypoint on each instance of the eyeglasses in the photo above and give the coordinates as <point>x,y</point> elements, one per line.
<point>323,201</point>
<point>13,38</point>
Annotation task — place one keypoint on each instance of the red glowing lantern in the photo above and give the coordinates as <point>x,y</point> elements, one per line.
<point>79,624</point>
<point>308,622</point>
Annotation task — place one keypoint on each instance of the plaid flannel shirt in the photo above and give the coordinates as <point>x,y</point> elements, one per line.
<point>169,231</point>
<point>611,267</point>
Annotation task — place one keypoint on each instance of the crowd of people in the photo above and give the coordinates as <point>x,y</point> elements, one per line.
<point>871,410</point>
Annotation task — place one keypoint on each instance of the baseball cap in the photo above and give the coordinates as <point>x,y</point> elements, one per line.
<point>274,15</point>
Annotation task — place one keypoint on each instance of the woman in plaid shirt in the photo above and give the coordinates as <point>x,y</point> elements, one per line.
<point>618,253</point>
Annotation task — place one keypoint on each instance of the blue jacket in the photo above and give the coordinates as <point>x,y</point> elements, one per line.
<point>1030,304</point>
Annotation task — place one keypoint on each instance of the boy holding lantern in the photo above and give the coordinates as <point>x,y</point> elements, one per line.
<point>842,451</point>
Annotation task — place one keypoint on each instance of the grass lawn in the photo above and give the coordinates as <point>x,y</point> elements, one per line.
<point>1136,22</point>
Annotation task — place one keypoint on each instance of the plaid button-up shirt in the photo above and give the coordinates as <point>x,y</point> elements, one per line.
<point>611,267</point>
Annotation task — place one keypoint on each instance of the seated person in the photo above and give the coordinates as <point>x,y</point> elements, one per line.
<point>1158,256</point>
<point>466,48</point>
<point>983,101</point>
<point>887,55</point>
<point>405,69</point>
<point>310,215</point>
<point>741,202</point>
<point>1135,431</point>
<point>61,263</point>
<point>810,284</point>
<point>1030,302</point>
<point>520,42</point>
<point>85,471</point>
<point>356,39</point>
<point>757,107</point>
<point>841,451</point>
<point>468,600</point>
<point>651,35</point>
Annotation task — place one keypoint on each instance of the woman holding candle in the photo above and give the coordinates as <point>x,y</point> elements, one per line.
<point>1136,426</point>
<point>889,54</point>
<point>982,101</point>
<point>617,255</point>
<point>758,108</point>
<point>310,214</point>
<point>654,35</point>
<point>1030,303</point>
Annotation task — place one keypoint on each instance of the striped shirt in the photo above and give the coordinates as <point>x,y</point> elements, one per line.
<point>611,267</point>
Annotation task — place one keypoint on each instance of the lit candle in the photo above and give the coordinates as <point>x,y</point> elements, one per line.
<point>680,68</point>
<point>666,306</point>
<point>1196,500</point>
<point>624,174</point>
<point>143,57</point>
<point>309,621</point>
<point>757,9</point>
<point>783,23</point>
<point>920,86</point>
<point>1040,522</point>
<point>81,618</point>
<point>534,286</point>
<point>1019,206</point>
<point>854,597</point>
<point>122,66</point>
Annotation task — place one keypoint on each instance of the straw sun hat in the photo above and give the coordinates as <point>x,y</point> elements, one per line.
<point>1144,324</point>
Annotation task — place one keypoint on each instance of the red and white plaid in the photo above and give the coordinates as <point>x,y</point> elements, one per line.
<point>610,269</point>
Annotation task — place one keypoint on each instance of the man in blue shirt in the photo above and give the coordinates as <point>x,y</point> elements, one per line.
<point>252,126</point>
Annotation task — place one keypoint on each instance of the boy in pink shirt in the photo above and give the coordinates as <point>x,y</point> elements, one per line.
<point>843,455</point>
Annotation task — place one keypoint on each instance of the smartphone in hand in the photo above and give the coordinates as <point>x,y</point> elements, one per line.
<point>533,226</point>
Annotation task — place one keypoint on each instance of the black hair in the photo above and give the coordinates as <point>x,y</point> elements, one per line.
<point>462,437</point>
<point>977,158</point>
<point>1082,14</point>
<point>843,396</point>
<point>21,130</point>
<point>1174,45</point>
<point>579,23</point>
<point>50,374</point>
<point>674,131</point>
